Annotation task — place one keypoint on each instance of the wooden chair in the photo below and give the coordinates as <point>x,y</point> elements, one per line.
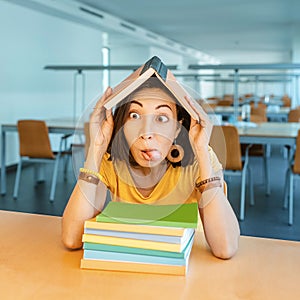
<point>225,102</point>
<point>259,112</point>
<point>294,115</point>
<point>35,147</point>
<point>79,147</point>
<point>226,144</point>
<point>286,101</point>
<point>292,171</point>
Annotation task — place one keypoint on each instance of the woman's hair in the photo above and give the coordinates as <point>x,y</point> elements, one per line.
<point>118,147</point>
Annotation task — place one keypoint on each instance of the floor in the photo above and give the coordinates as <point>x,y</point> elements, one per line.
<point>266,218</point>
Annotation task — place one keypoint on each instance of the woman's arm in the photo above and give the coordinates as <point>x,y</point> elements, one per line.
<point>87,199</point>
<point>220,224</point>
<point>219,221</point>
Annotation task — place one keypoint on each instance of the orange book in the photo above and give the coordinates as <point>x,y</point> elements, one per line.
<point>153,67</point>
<point>133,267</point>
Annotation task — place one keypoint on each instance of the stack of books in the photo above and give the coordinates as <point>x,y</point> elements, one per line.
<point>140,238</point>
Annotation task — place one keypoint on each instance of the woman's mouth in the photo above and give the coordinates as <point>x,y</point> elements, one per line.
<point>151,154</point>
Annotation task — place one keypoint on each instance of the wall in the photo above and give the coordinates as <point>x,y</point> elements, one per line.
<point>31,40</point>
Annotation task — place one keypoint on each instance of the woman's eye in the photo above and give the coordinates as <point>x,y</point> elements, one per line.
<point>134,115</point>
<point>162,119</point>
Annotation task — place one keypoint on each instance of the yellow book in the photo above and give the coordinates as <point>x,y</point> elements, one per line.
<point>133,267</point>
<point>135,243</point>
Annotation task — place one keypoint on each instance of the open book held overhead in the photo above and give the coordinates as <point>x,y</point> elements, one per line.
<point>153,67</point>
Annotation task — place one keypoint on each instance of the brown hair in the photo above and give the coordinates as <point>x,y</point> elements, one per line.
<point>118,147</point>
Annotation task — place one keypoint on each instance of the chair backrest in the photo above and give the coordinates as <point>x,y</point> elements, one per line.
<point>294,115</point>
<point>34,139</point>
<point>286,101</point>
<point>258,118</point>
<point>259,112</point>
<point>225,142</point>
<point>296,167</point>
<point>225,102</point>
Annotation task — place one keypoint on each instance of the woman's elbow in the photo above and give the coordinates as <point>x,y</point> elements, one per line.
<point>71,243</point>
<point>225,253</point>
<point>226,250</point>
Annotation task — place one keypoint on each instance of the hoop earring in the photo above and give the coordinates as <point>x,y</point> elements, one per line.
<point>176,153</point>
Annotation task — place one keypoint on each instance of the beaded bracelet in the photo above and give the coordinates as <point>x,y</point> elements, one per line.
<point>89,176</point>
<point>208,183</point>
<point>83,170</point>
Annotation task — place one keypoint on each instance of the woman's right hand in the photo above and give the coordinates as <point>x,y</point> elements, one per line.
<point>101,128</point>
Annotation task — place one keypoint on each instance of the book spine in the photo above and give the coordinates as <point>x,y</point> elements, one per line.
<point>134,235</point>
<point>127,257</point>
<point>132,243</point>
<point>156,64</point>
<point>172,231</point>
<point>133,267</point>
<point>122,249</point>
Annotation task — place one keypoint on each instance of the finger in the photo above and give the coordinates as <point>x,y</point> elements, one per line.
<point>99,107</point>
<point>109,116</point>
<point>203,117</point>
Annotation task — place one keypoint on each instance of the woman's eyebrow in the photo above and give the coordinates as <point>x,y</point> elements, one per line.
<point>163,105</point>
<point>136,102</point>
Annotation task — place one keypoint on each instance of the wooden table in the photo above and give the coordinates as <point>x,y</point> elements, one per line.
<point>35,265</point>
<point>228,111</point>
<point>270,133</point>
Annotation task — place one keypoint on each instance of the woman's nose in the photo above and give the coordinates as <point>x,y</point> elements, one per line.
<point>146,131</point>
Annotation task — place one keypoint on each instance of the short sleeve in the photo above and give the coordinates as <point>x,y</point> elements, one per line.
<point>107,171</point>
<point>216,165</point>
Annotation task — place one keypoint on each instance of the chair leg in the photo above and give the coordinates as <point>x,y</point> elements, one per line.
<point>251,190</point>
<point>291,199</point>
<point>243,189</point>
<point>17,181</point>
<point>40,173</point>
<point>54,178</point>
<point>66,164</point>
<point>286,189</point>
<point>267,169</point>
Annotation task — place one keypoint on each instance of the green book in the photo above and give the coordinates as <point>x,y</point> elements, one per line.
<point>181,215</point>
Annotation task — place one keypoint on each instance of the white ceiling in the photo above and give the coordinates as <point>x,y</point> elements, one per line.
<point>234,31</point>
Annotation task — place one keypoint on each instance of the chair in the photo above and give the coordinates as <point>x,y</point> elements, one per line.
<point>226,144</point>
<point>258,112</point>
<point>225,102</point>
<point>294,115</point>
<point>35,147</point>
<point>292,171</point>
<point>286,101</point>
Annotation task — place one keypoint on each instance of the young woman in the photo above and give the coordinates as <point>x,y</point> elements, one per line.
<point>151,151</point>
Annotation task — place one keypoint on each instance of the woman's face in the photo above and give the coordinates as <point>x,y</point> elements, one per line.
<point>151,126</point>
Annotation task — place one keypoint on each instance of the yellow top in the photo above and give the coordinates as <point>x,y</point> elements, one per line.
<point>176,186</point>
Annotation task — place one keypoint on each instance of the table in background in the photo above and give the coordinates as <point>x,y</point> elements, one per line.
<point>270,133</point>
<point>58,126</point>
<point>35,265</point>
<point>228,111</point>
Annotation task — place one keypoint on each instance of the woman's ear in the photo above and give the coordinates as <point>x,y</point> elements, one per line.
<point>179,125</point>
